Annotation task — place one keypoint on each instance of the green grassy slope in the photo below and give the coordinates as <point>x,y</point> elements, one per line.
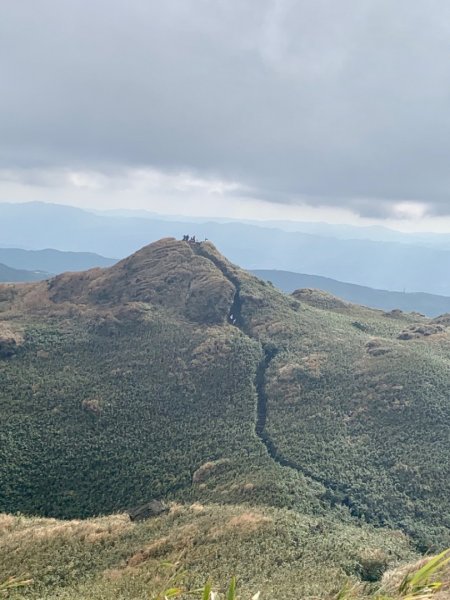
<point>126,400</point>
<point>117,385</point>
<point>127,415</point>
<point>119,416</point>
<point>281,553</point>
<point>367,413</point>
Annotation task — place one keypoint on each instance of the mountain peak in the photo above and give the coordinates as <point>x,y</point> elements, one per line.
<point>192,278</point>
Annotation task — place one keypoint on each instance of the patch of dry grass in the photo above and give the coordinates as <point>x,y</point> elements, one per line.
<point>111,558</point>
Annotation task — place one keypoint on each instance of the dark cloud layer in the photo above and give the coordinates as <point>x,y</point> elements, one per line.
<point>345,103</point>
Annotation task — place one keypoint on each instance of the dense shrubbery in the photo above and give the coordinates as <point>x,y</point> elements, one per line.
<point>374,428</point>
<point>125,410</point>
<point>95,423</point>
<point>104,408</point>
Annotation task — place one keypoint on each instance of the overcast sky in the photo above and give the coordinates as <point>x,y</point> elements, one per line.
<point>299,108</point>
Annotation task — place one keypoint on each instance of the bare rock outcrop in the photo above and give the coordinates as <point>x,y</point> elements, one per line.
<point>423,330</point>
<point>10,340</point>
<point>147,511</point>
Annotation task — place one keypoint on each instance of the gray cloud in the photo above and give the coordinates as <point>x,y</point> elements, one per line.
<point>339,103</point>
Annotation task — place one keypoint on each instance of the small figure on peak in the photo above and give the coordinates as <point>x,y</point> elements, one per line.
<point>191,239</point>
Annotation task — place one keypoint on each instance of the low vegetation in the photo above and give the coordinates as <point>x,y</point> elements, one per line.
<point>278,552</point>
<point>303,440</point>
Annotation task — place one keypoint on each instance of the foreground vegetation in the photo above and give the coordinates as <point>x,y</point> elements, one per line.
<point>425,580</point>
<point>279,552</point>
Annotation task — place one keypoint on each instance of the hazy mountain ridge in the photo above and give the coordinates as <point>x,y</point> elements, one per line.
<point>51,260</point>
<point>375,233</point>
<point>8,274</point>
<point>381,265</point>
<point>429,304</point>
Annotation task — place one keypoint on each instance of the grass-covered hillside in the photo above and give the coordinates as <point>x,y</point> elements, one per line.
<point>175,375</point>
<point>281,553</point>
<point>360,401</point>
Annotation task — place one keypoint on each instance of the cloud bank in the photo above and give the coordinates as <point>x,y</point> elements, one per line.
<point>336,104</point>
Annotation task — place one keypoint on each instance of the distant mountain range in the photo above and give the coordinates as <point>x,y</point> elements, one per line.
<point>10,275</point>
<point>375,233</point>
<point>428,304</point>
<point>52,261</point>
<point>421,265</point>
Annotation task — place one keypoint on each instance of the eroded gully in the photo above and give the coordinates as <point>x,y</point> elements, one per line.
<point>336,493</point>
